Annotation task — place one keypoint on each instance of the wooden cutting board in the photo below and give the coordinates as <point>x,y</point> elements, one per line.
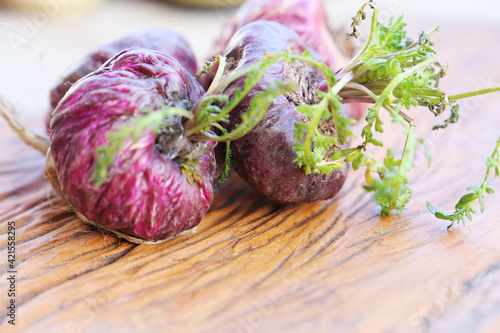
<point>255,266</point>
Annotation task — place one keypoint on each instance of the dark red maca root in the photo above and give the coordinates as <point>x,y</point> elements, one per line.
<point>264,157</point>
<point>306,17</point>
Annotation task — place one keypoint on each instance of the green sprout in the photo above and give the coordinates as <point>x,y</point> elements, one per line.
<point>394,73</point>
<point>465,206</point>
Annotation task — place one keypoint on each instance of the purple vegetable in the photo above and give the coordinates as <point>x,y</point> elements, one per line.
<point>158,39</point>
<point>145,194</point>
<point>265,156</point>
<point>305,17</point>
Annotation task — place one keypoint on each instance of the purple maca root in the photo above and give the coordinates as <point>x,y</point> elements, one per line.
<point>305,17</point>
<point>145,194</point>
<point>264,157</point>
<point>158,39</point>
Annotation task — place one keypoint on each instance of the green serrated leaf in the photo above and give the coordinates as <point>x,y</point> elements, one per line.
<point>353,156</point>
<point>376,142</point>
<point>441,215</point>
<point>466,200</point>
<point>360,159</point>
<point>342,153</point>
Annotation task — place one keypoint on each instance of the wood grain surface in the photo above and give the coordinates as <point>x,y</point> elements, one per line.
<point>255,266</point>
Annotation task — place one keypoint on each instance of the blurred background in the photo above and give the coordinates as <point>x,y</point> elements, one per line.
<point>42,40</point>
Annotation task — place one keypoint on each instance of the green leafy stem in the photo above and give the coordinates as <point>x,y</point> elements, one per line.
<point>393,73</point>
<point>465,206</point>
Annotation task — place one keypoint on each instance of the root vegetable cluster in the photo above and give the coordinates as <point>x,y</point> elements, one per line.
<point>138,136</point>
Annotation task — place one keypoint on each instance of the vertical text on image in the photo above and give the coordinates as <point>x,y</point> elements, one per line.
<point>11,272</point>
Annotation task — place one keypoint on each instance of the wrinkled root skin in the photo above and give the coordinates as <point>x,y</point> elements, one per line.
<point>158,39</point>
<point>264,157</point>
<point>145,195</point>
